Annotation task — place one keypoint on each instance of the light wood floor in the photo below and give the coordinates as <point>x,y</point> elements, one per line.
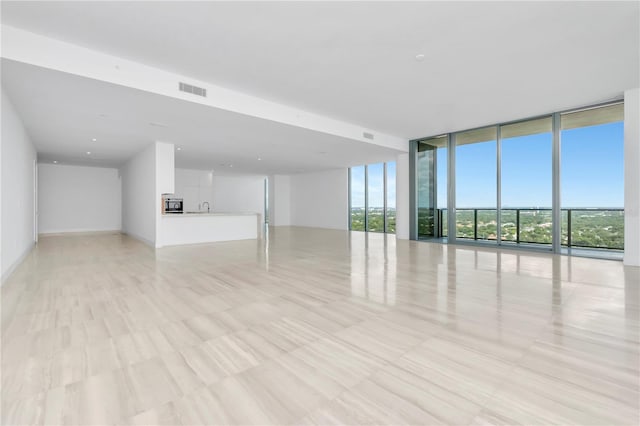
<point>316,327</point>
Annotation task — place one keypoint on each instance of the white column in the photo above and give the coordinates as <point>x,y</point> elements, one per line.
<point>271,200</point>
<point>402,197</point>
<point>165,168</point>
<point>279,200</point>
<point>632,177</point>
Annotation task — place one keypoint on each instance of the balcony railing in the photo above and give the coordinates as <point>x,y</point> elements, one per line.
<point>601,228</point>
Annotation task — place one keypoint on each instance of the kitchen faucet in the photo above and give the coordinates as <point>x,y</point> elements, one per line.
<point>208,209</point>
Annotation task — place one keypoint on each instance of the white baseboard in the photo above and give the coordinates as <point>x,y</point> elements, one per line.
<point>17,263</point>
<point>150,243</point>
<point>96,231</point>
<point>628,261</point>
<point>77,231</point>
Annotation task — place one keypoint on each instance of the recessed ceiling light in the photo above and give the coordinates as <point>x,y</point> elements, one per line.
<point>88,152</point>
<point>179,149</point>
<point>259,159</point>
<point>420,57</point>
<point>94,139</point>
<point>55,161</point>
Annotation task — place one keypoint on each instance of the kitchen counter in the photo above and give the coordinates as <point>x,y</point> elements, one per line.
<point>203,227</point>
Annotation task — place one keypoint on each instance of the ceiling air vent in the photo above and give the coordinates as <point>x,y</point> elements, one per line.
<point>367,135</point>
<point>195,90</point>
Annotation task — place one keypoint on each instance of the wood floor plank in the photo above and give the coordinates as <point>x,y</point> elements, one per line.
<point>316,326</point>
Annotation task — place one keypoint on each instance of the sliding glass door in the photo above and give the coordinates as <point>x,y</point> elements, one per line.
<point>431,166</point>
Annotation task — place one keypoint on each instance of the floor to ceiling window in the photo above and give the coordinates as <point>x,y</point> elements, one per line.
<point>375,198</point>
<point>476,210</point>
<point>546,182</point>
<point>526,187</point>
<point>372,198</point>
<point>357,193</point>
<point>391,197</point>
<point>592,180</point>
<point>441,186</point>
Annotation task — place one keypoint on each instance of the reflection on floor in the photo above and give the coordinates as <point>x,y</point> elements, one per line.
<point>316,327</point>
<point>595,253</point>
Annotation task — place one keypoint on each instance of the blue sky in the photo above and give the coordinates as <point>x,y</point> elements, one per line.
<point>591,172</point>
<point>592,166</point>
<point>376,185</point>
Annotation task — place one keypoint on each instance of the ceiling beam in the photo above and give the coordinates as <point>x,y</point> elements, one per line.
<point>35,49</point>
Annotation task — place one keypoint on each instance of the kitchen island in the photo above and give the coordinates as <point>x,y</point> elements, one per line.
<point>196,228</point>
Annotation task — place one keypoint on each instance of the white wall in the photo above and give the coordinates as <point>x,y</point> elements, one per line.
<point>165,167</point>
<point>18,164</point>
<point>632,177</point>
<point>402,197</point>
<point>2,126</point>
<point>321,199</point>
<point>145,177</point>
<point>78,199</point>
<point>238,194</point>
<point>279,200</point>
<point>139,196</point>
<point>194,187</point>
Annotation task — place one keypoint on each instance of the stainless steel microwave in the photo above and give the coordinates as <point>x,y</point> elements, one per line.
<point>173,205</point>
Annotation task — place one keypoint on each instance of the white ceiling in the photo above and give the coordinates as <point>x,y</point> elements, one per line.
<point>63,113</point>
<point>485,62</point>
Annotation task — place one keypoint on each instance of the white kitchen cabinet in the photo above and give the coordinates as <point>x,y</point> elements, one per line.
<point>191,198</point>
<point>205,179</point>
<point>194,187</point>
